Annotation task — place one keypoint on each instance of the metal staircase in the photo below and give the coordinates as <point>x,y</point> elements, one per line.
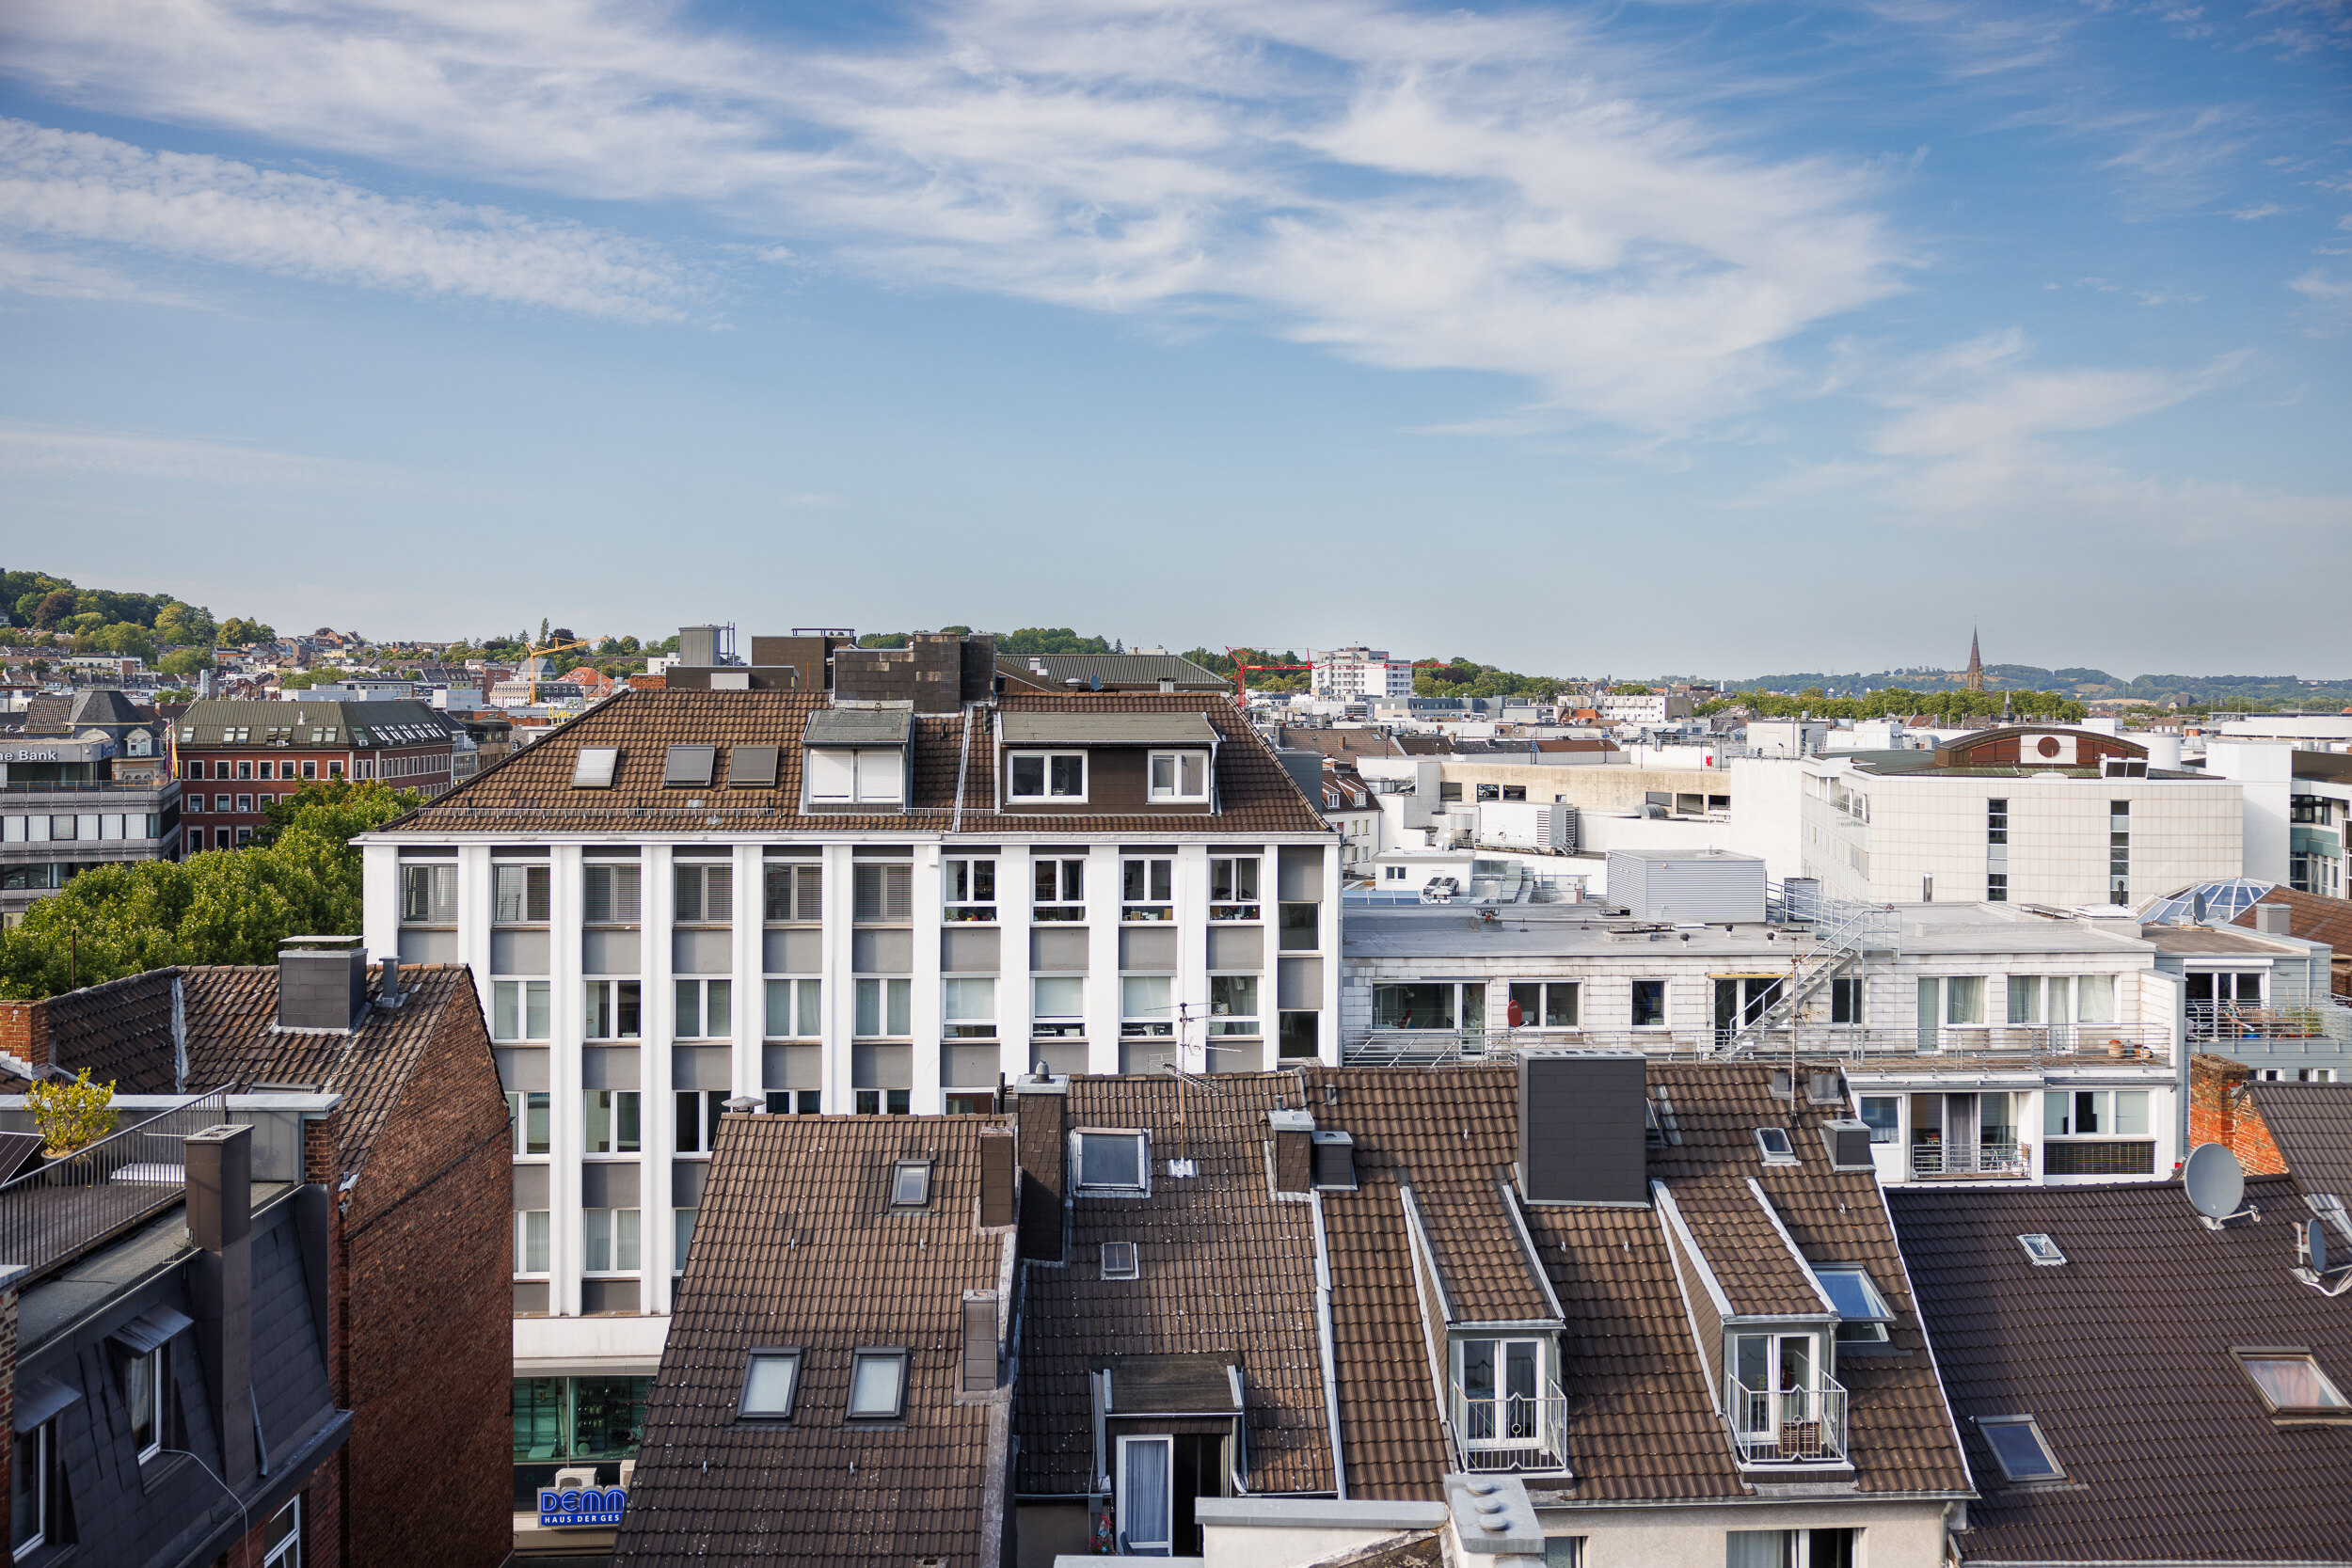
<point>1841,933</point>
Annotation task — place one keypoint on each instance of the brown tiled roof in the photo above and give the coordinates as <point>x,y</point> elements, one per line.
<point>1222,1268</point>
<point>2122,1356</point>
<point>530,790</point>
<point>2314,918</point>
<point>795,1245</point>
<point>2311,1124</point>
<point>121,1031</point>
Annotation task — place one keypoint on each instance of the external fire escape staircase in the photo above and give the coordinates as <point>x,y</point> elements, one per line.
<point>1840,934</point>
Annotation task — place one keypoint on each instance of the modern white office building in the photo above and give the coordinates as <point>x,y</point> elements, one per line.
<point>1353,675</point>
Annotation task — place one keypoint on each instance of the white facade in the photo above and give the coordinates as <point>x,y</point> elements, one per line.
<point>1358,674</point>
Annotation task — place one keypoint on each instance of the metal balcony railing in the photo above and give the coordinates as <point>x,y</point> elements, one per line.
<point>1792,1426</point>
<point>73,1203</point>
<point>1976,1048</point>
<point>1512,1432</point>
<point>1981,1159</point>
<point>2317,1018</point>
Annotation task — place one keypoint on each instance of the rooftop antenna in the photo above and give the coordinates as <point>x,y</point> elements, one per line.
<point>2216,1185</point>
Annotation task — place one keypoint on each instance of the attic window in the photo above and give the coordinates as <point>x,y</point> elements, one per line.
<point>1112,1161</point>
<point>1861,1312</point>
<point>1118,1261</point>
<point>1772,1143</point>
<point>2292,1386</point>
<point>1823,1088</point>
<point>751,767</point>
<point>2019,1447</point>
<point>594,768</point>
<point>771,1382</point>
<point>2043,1251</point>
<point>689,767</point>
<point>911,1185</point>
<point>1784,1083</point>
<point>878,1385</point>
<point>1335,1162</point>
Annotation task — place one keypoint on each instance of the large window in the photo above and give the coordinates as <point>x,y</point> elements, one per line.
<point>971,888</point>
<point>562,1422</point>
<point>1233,1004</point>
<point>1046,776</point>
<point>1113,1162</point>
<point>796,892</point>
<point>1179,775</point>
<point>1546,1005</point>
<point>518,894</point>
<point>519,1010</point>
<point>698,1114</point>
<point>1428,1005</point>
<point>429,893</point>
<point>795,1009</point>
<point>884,1009</point>
<point>705,1009</point>
<point>2094,1114</point>
<point>1233,887</point>
<point>1058,1005</point>
<point>1786,1548</point>
<point>1145,1496</point>
<point>530,1243</point>
<point>610,1121</point>
<point>862,776</point>
<point>1498,1385</point>
<point>882,893</point>
<point>612,1011</point>
<point>705,895</point>
<point>610,895</point>
<point>1060,890</point>
<point>968,1007</point>
<point>609,1239</point>
<point>1147,1005</point>
<point>527,1109</point>
<point>1147,889</point>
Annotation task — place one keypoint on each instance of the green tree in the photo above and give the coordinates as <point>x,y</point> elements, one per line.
<point>185,661</point>
<point>70,1115</point>
<point>241,633</point>
<point>187,625</point>
<point>52,609</point>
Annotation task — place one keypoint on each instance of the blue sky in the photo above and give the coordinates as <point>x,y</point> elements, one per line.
<point>1717,339</point>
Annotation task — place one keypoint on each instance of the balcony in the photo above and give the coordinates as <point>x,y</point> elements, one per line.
<point>2322,1019</point>
<point>1962,1047</point>
<point>1934,1161</point>
<point>66,1206</point>
<point>1510,1431</point>
<point>1794,1426</point>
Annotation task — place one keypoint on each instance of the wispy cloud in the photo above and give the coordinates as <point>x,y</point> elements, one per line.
<point>2329,308</point>
<point>76,187</point>
<point>29,448</point>
<point>1421,190</point>
<point>41,272</point>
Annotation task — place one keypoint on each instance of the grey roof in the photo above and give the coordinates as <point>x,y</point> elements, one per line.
<point>1108,729</point>
<point>1535,931</point>
<point>2195,940</point>
<point>859,726</point>
<point>208,723</point>
<point>1117,669</point>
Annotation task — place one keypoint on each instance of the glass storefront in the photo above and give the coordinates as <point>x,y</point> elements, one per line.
<point>574,1423</point>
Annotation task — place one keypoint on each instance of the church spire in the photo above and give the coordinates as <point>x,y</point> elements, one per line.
<point>1976,663</point>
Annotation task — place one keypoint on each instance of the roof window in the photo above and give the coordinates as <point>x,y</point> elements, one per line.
<point>2293,1387</point>
<point>911,1185</point>
<point>1861,1312</point>
<point>595,767</point>
<point>1118,1261</point>
<point>751,767</point>
<point>878,1385</point>
<point>1772,1143</point>
<point>771,1382</point>
<point>689,767</point>
<point>2019,1447</point>
<point>2043,1251</point>
<point>1113,1162</point>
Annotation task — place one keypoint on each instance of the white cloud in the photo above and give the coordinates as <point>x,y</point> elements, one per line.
<point>74,187</point>
<point>2331,307</point>
<point>30,448</point>
<point>44,274</point>
<point>1411,189</point>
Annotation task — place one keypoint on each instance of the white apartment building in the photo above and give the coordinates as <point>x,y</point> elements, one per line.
<point>1358,674</point>
<point>767,898</point>
<point>2025,813</point>
<point>1641,707</point>
<point>2297,788</point>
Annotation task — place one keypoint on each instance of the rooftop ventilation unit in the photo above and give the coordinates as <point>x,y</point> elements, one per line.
<point>1847,1142</point>
<point>320,987</point>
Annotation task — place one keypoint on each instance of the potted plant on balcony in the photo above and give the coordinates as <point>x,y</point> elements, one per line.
<point>70,1115</point>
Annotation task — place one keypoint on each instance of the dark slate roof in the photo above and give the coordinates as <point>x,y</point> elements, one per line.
<point>859,728</point>
<point>2311,1124</point>
<point>1222,1269</point>
<point>2122,1355</point>
<point>208,723</point>
<point>795,1247</point>
<point>121,1031</point>
<point>530,790</point>
<point>100,706</point>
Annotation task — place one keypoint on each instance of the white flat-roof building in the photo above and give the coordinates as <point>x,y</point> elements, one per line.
<point>1356,674</point>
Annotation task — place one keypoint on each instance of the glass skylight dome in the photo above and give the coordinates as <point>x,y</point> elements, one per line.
<point>2223,902</point>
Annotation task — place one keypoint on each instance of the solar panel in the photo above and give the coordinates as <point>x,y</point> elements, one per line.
<point>15,1149</point>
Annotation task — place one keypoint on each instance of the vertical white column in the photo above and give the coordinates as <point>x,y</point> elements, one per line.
<point>840,1003</point>
<point>1102,957</point>
<point>923,1013</point>
<point>566,1029</point>
<point>474,916</point>
<point>656,1122</point>
<point>1328,940</point>
<point>1016,884</point>
<point>1191,956</point>
<point>750,968</point>
<point>379,899</point>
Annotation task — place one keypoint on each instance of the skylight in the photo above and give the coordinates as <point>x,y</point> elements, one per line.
<point>1118,1261</point>
<point>878,1385</point>
<point>2292,1383</point>
<point>2043,1251</point>
<point>2019,1447</point>
<point>1111,1162</point>
<point>1772,1143</point>
<point>771,1380</point>
<point>911,1185</point>
<point>1861,1312</point>
<point>689,767</point>
<point>751,767</point>
<point>595,767</point>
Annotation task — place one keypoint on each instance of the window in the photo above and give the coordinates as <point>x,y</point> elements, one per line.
<point>595,767</point>
<point>245,835</point>
<point>2094,999</point>
<point>1058,1005</point>
<point>698,1114</point>
<point>1392,873</point>
<point>2094,1113</point>
<point>1147,1005</point>
<point>1233,887</point>
<point>795,1009</point>
<point>609,895</point>
<point>971,889</point>
<point>429,893</point>
<point>609,1239</point>
<point>527,1109</point>
<point>244,769</point>
<point>1543,1005</point>
<point>1147,889</point>
<point>1861,1312</point>
<point>681,1238</point>
<point>1145,1496</point>
<point>33,1480</point>
<point>968,1009</point>
<point>612,1012</point>
<point>282,1537</point>
<point>1179,775</point>
<point>796,1103</point>
<point>519,1010</point>
<point>611,1122</point>
<point>705,1009</point>
<point>911,1185</point>
<point>310,769</point>
<point>1047,776</point>
<point>2019,1447</point>
<point>796,892</point>
<point>1845,1000</point>
<point>1113,1162</point>
<point>1299,1034</point>
<point>772,1382</point>
<point>1772,1143</point>
<point>864,776</point>
<point>2043,1252</point>
<point>147,1390</point>
<point>689,767</point>
<point>1233,1004</point>
<point>518,894</point>
<point>705,895</point>
<point>1118,1261</point>
<point>1789,1548</point>
<point>883,1009</point>
<point>882,1103</point>
<point>1297,927</point>
<point>1564,1551</point>
<point>2291,1384</point>
<point>1649,1003</point>
<point>1882,1115</point>
<point>531,1241</point>
<point>1996,821</point>
<point>1060,890</point>
<point>1498,1385</point>
<point>883,895</point>
<point>2118,851</point>
<point>1964,999</point>
<point>878,1383</point>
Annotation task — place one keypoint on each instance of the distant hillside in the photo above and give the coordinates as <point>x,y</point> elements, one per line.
<point>2203,692</point>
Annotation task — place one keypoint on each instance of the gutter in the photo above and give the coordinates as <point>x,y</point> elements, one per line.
<point>1323,1346</point>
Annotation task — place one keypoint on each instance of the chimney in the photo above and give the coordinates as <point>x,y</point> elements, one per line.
<point>1293,1151</point>
<point>220,1223</point>
<point>322,988</point>
<point>1583,1128</point>
<point>388,988</point>
<point>977,1367</point>
<point>2273,920</point>
<point>1000,1180</point>
<point>1038,1105</point>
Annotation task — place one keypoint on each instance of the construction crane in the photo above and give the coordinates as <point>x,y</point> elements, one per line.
<point>535,660</point>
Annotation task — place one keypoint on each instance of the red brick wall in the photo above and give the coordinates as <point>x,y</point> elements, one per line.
<point>25,1030</point>
<point>430,1348</point>
<point>321,1526</point>
<point>2219,1113</point>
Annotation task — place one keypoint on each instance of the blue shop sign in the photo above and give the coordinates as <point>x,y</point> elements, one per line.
<point>580,1505</point>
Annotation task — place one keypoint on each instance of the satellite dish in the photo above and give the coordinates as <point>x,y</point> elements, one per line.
<point>2315,1246</point>
<point>2215,1180</point>
<point>1094,683</point>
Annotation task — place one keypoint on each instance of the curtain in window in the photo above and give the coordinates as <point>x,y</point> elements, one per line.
<point>2094,999</point>
<point>1144,1518</point>
<point>1757,1549</point>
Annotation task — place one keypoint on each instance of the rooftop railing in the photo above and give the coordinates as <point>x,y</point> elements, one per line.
<point>87,787</point>
<point>73,1203</point>
<point>1778,1426</point>
<point>1970,1047</point>
<point>1512,1432</point>
<point>2316,1019</point>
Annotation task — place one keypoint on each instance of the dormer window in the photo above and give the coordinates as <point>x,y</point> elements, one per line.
<point>1179,775</point>
<point>862,776</point>
<point>1046,776</point>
